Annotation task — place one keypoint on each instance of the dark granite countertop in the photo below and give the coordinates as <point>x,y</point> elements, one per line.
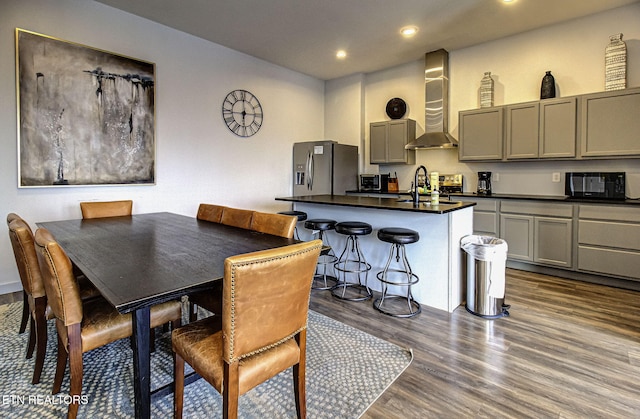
<point>554,198</point>
<point>395,204</point>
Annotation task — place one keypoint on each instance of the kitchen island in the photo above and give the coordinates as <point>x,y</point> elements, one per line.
<point>436,258</point>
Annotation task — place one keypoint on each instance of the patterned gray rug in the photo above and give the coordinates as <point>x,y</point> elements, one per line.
<point>347,370</point>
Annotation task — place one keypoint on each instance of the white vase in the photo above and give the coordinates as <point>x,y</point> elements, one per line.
<point>486,91</point>
<point>615,63</point>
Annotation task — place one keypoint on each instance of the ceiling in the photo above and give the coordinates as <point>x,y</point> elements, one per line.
<point>304,35</point>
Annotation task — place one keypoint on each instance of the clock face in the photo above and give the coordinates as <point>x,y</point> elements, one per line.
<point>242,113</point>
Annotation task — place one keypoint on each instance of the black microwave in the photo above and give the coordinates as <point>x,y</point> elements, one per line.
<point>595,185</point>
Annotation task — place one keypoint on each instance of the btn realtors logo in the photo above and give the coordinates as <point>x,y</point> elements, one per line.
<point>39,399</point>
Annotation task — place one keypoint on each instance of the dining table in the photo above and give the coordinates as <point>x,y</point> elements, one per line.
<point>145,259</point>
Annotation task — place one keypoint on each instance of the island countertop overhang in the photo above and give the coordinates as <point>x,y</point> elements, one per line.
<point>393,204</point>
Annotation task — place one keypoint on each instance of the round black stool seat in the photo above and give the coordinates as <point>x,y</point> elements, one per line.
<point>301,215</point>
<point>398,235</point>
<point>355,228</point>
<point>321,224</point>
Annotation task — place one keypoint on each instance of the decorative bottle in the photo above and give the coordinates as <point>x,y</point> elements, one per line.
<point>486,91</point>
<point>615,63</point>
<point>548,88</point>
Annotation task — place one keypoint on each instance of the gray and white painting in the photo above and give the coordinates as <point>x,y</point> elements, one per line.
<point>86,115</point>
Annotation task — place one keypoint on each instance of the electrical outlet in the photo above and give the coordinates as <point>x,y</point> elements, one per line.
<point>496,177</point>
<point>555,177</point>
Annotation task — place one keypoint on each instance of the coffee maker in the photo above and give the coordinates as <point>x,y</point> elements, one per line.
<point>484,183</point>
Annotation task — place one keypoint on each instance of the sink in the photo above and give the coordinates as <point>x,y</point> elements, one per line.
<point>427,201</point>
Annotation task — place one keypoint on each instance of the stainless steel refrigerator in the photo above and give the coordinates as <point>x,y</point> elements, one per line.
<point>324,167</point>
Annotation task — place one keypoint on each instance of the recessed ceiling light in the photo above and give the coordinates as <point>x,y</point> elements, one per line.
<point>409,31</point>
<point>341,54</point>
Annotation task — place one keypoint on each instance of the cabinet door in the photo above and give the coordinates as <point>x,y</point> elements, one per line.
<point>610,124</point>
<point>480,134</point>
<point>553,241</point>
<point>399,133</point>
<point>517,230</point>
<point>378,142</point>
<point>558,128</point>
<point>522,131</point>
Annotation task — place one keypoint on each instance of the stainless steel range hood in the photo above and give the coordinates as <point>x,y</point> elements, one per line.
<point>436,78</point>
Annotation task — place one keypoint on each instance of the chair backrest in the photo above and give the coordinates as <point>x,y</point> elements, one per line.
<point>106,209</point>
<point>60,284</point>
<point>210,212</point>
<point>24,250</point>
<point>276,224</point>
<point>266,297</point>
<point>237,217</point>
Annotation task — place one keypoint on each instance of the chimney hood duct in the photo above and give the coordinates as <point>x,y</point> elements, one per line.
<point>436,77</point>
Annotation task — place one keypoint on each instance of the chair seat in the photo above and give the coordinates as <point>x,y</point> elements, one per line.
<point>353,228</point>
<point>320,224</point>
<point>301,215</point>
<point>101,322</point>
<point>201,342</point>
<point>398,235</point>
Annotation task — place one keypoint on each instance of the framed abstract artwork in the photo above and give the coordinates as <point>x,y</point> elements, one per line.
<point>85,116</point>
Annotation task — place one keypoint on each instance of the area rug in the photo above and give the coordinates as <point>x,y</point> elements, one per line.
<point>347,370</point>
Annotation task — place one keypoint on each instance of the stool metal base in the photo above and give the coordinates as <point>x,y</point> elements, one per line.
<point>386,303</point>
<point>352,291</point>
<point>323,281</point>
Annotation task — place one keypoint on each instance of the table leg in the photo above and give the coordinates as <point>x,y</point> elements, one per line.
<point>141,362</point>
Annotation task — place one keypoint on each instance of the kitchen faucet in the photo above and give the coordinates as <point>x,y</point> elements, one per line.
<point>427,185</point>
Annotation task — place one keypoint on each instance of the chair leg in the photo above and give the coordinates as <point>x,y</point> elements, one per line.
<point>41,337</point>
<point>299,373</point>
<point>178,382</point>
<point>230,391</point>
<point>32,337</point>
<point>75,368</point>
<point>25,312</point>
<point>61,365</point>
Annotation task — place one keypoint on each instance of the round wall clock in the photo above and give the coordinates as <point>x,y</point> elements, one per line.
<point>242,113</point>
<point>396,108</point>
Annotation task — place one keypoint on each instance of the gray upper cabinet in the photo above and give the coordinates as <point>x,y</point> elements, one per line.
<point>558,125</point>
<point>544,129</point>
<point>387,141</point>
<point>610,124</point>
<point>481,134</point>
<point>522,130</point>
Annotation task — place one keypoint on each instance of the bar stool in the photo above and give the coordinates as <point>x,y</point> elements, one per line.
<point>323,281</point>
<point>352,261</point>
<point>404,277</point>
<point>301,217</point>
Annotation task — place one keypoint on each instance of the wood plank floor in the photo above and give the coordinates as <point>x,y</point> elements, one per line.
<point>569,349</point>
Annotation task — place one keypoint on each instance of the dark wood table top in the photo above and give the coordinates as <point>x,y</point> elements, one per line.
<point>145,259</point>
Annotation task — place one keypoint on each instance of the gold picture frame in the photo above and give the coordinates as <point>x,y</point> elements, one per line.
<point>85,116</point>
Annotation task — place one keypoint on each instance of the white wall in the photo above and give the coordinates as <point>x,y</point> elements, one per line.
<point>198,158</point>
<point>573,51</point>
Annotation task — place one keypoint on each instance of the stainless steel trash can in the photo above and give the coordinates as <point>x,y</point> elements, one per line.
<point>486,258</point>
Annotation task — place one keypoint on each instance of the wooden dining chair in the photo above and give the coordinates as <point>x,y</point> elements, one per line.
<point>106,209</point>
<point>83,327</point>
<point>35,310</point>
<point>262,331</point>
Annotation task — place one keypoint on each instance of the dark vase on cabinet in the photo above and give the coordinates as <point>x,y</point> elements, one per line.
<point>548,88</point>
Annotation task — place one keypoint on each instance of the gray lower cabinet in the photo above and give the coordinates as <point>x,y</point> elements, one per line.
<point>538,232</point>
<point>610,124</point>
<point>609,240</point>
<point>481,134</point>
<point>485,216</point>
<point>387,140</point>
